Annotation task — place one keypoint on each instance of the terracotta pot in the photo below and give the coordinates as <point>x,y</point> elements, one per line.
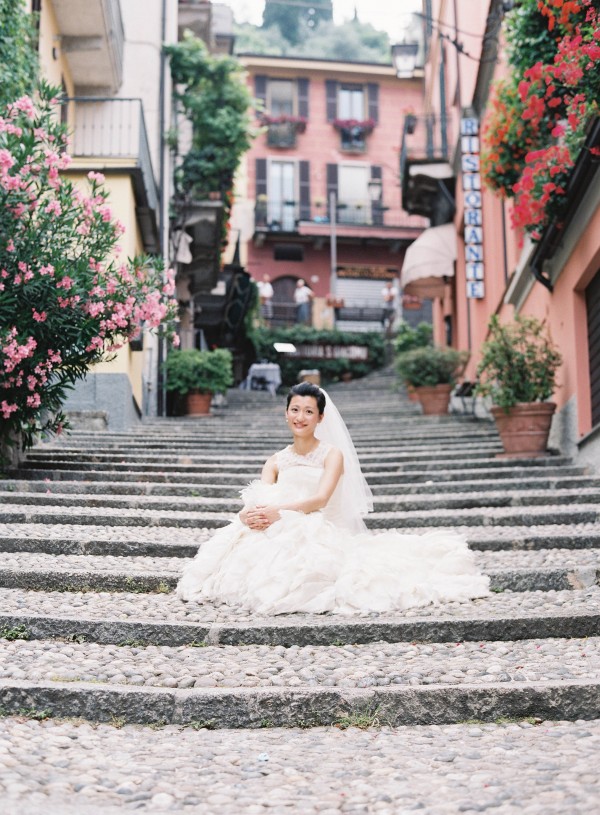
<point>198,404</point>
<point>346,376</point>
<point>434,399</point>
<point>524,429</point>
<point>411,392</point>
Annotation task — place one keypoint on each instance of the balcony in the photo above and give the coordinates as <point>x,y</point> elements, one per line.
<point>110,135</point>
<point>425,167</point>
<point>284,216</point>
<point>92,40</point>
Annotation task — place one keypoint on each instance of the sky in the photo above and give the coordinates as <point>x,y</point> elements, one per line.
<point>386,15</point>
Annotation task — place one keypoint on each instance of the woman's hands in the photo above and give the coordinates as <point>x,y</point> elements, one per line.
<point>259,518</point>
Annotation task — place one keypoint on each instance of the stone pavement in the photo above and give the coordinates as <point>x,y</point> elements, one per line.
<point>114,695</point>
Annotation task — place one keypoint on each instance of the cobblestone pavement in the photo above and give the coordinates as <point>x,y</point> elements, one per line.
<point>110,687</point>
<point>58,768</point>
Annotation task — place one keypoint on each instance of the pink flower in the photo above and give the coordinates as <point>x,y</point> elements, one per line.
<point>25,105</point>
<point>66,283</point>
<point>53,208</point>
<point>6,160</point>
<point>7,409</point>
<point>97,177</point>
<point>38,316</point>
<point>10,246</point>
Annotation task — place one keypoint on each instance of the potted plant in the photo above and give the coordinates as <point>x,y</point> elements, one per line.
<point>518,371</point>
<point>432,372</point>
<point>409,337</point>
<point>198,375</point>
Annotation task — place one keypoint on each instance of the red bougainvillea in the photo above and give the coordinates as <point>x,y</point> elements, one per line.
<point>536,122</point>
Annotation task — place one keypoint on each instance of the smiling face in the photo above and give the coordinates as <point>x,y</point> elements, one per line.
<point>303,416</point>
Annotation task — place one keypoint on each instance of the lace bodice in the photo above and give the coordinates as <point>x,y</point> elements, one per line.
<point>287,458</point>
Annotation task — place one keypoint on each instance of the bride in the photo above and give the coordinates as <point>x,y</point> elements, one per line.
<point>300,544</point>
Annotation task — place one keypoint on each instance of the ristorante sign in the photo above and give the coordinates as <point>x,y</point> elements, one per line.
<point>471,183</point>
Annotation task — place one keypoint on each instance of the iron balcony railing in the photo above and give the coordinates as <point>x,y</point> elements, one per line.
<point>113,128</point>
<point>425,137</point>
<point>284,216</point>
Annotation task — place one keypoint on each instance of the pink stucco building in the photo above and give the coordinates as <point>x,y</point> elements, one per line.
<point>331,136</point>
<point>489,266</point>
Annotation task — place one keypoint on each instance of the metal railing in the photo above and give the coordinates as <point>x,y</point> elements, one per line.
<point>106,127</point>
<point>425,137</point>
<point>284,216</point>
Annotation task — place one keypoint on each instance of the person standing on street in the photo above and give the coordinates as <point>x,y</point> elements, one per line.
<point>303,295</point>
<point>265,294</point>
<point>389,295</point>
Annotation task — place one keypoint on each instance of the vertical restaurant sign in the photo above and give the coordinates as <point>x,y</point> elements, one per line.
<point>471,182</point>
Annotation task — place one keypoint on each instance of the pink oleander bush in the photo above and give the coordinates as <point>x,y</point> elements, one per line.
<point>67,299</point>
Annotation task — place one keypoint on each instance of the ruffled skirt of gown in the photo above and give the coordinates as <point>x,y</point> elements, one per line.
<point>310,563</point>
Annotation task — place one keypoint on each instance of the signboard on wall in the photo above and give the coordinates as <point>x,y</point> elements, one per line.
<point>367,272</point>
<point>359,353</point>
<point>471,183</point>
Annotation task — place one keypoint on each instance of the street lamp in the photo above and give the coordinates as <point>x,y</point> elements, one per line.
<point>404,57</point>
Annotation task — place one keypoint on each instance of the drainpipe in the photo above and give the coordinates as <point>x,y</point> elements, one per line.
<point>164,193</point>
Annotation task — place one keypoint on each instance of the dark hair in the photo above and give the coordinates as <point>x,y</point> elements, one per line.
<point>307,389</point>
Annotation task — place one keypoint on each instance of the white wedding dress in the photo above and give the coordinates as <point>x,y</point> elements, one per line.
<point>313,563</point>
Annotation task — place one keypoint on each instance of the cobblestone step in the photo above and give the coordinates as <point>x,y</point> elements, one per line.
<point>65,539</point>
<point>162,619</point>
<point>204,502</point>
<point>405,478</point>
<point>391,486</point>
<point>398,465</point>
<point>309,686</point>
<point>550,570</point>
<point>579,513</point>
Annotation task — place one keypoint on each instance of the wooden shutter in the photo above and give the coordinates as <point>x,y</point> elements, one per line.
<point>377,211</point>
<point>303,97</point>
<point>260,88</point>
<point>331,87</point>
<point>592,301</point>
<point>373,101</point>
<point>304,191</point>
<point>261,176</point>
<point>332,182</point>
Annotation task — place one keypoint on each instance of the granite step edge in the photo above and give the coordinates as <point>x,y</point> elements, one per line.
<point>305,707</point>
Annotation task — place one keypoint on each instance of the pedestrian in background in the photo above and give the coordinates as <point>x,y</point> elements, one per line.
<point>265,294</point>
<point>303,295</point>
<point>389,294</point>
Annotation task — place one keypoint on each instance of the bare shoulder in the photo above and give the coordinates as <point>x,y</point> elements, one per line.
<point>334,457</point>
<point>270,470</point>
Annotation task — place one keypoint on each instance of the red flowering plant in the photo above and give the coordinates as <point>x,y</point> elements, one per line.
<point>66,299</point>
<point>364,125</point>
<point>537,120</point>
<point>298,122</point>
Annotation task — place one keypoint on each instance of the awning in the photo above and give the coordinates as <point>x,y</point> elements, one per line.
<point>428,261</point>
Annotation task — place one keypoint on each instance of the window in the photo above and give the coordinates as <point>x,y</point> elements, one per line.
<point>354,205</point>
<point>281,207</point>
<point>281,97</point>
<point>351,102</point>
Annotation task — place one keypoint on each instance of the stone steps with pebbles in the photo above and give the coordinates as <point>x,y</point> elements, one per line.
<point>384,499</point>
<point>90,556</point>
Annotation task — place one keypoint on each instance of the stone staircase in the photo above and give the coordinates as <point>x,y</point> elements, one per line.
<point>95,528</point>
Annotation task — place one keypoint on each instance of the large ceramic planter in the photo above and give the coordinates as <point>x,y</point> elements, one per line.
<point>434,399</point>
<point>198,404</point>
<point>524,430</point>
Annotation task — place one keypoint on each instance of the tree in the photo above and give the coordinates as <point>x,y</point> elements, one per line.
<point>66,300</point>
<point>291,16</point>
<point>18,54</point>
<point>352,41</point>
<point>217,102</point>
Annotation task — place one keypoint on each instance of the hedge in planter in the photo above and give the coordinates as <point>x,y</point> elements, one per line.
<point>331,369</point>
<point>432,372</point>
